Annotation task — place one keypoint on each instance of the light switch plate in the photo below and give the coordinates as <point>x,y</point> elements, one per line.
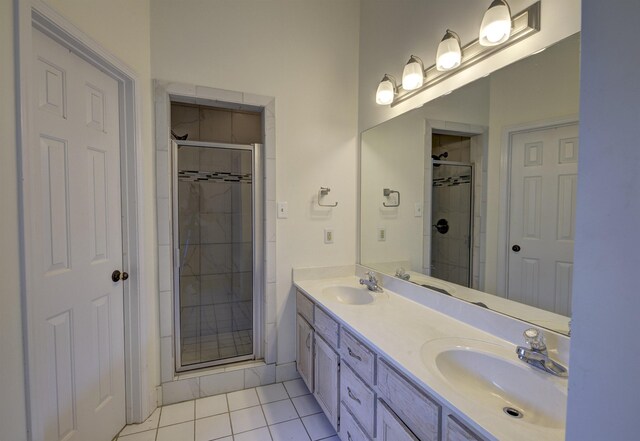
<point>283,210</point>
<point>328,235</point>
<point>417,209</point>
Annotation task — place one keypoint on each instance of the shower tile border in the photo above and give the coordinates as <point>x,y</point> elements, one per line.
<point>175,387</point>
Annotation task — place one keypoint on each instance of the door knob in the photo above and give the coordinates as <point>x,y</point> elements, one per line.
<point>442,226</point>
<point>516,248</point>
<point>117,275</point>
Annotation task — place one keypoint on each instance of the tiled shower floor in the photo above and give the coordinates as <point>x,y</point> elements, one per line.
<point>217,332</point>
<point>216,347</point>
<point>277,412</point>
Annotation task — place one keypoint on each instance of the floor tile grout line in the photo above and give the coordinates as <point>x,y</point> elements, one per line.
<point>228,412</point>
<point>158,425</point>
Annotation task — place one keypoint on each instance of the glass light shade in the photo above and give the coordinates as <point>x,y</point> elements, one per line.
<point>386,91</point>
<point>449,53</point>
<point>496,24</point>
<point>413,74</point>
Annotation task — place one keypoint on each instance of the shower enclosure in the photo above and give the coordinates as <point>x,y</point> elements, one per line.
<point>217,253</point>
<point>451,216</point>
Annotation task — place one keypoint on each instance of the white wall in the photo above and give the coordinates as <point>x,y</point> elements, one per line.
<point>304,53</point>
<point>391,31</point>
<point>393,157</point>
<point>604,384</point>
<point>122,27</point>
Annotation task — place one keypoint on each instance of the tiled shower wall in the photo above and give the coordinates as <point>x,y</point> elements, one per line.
<point>222,379</point>
<point>450,252</point>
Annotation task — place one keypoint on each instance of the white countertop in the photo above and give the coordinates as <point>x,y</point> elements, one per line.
<point>397,328</point>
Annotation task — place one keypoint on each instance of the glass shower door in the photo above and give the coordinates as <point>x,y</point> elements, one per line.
<point>214,227</point>
<point>451,218</point>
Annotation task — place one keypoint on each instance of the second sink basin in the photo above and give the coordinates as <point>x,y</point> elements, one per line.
<point>349,295</point>
<point>492,378</point>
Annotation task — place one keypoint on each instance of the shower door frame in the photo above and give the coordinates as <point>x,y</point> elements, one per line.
<point>258,244</point>
<point>471,212</point>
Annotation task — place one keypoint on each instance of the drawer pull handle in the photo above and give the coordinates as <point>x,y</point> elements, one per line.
<point>352,396</point>
<point>307,343</point>
<point>357,357</point>
<point>349,436</point>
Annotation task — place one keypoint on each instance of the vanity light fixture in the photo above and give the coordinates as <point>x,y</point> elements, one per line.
<point>386,90</point>
<point>449,52</point>
<point>413,74</point>
<point>499,31</point>
<point>496,24</point>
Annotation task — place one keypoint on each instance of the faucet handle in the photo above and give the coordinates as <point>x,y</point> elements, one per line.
<point>535,339</point>
<point>372,276</point>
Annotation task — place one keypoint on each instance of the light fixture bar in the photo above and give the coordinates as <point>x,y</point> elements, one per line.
<point>524,24</point>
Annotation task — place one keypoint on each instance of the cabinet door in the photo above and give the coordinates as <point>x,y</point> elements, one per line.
<point>326,379</point>
<point>390,428</point>
<point>456,431</point>
<point>304,351</point>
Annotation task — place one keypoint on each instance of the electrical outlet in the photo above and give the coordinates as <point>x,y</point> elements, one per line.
<point>382,234</point>
<point>328,235</point>
<point>417,209</point>
<point>283,210</point>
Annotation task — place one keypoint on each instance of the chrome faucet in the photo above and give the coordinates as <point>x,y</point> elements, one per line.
<point>536,355</point>
<point>372,282</point>
<point>402,274</point>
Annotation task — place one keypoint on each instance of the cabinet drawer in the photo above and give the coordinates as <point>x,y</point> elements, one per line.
<point>358,398</point>
<point>349,428</point>
<point>390,428</point>
<point>456,431</point>
<point>326,326</point>
<point>358,356</point>
<point>304,306</point>
<point>417,411</point>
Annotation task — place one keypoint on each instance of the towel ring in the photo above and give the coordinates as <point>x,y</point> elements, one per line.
<point>388,192</point>
<point>322,193</point>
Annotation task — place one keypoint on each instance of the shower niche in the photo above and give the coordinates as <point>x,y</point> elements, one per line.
<point>218,246</point>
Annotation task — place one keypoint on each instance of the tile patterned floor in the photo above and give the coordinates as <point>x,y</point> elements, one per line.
<point>277,412</point>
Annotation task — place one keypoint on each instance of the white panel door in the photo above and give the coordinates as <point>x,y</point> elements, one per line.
<point>544,171</point>
<point>76,330</point>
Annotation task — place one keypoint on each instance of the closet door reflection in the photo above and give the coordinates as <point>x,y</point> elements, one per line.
<point>214,214</point>
<point>451,217</point>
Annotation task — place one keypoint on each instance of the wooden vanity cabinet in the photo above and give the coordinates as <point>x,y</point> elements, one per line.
<point>350,430</point>
<point>419,412</point>
<point>326,379</point>
<point>364,396</point>
<point>304,350</point>
<point>390,427</point>
<point>454,430</point>
<point>317,356</point>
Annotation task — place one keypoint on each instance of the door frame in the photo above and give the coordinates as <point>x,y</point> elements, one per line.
<point>505,189</point>
<point>34,14</point>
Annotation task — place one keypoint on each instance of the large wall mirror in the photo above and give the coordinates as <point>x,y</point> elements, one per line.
<point>473,194</point>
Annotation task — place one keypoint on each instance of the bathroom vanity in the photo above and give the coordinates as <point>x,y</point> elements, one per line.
<point>397,366</point>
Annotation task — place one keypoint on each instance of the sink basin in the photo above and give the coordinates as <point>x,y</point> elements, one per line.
<point>349,295</point>
<point>491,377</point>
